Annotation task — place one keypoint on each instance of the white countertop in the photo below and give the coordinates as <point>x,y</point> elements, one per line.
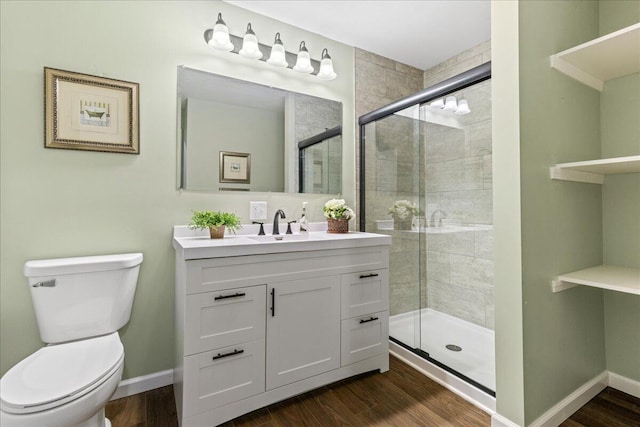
<point>196,244</point>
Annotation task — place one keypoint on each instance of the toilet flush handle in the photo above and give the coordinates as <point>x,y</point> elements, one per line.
<point>46,284</point>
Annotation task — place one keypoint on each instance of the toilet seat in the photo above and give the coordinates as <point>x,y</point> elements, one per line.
<point>57,374</point>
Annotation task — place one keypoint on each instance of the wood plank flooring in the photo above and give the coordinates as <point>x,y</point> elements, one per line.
<point>402,397</point>
<point>610,408</point>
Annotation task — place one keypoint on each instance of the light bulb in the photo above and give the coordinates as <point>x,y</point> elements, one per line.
<point>250,48</point>
<point>439,104</point>
<point>326,67</point>
<point>463,107</point>
<point>450,104</point>
<point>220,38</point>
<point>303,63</point>
<point>278,55</point>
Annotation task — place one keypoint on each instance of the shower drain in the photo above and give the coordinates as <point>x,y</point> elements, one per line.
<point>453,347</point>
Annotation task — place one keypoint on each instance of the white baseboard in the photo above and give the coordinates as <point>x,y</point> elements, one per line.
<point>570,404</point>
<point>624,384</point>
<point>144,383</point>
<point>498,420</point>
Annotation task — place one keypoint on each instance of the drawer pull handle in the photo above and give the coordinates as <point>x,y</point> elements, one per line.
<point>236,295</point>
<point>371,319</point>
<point>233,353</point>
<point>364,276</point>
<point>273,302</point>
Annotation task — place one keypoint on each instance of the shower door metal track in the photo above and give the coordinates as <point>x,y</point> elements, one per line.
<point>445,87</point>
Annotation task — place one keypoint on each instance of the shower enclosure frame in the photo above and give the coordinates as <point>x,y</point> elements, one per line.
<point>466,79</point>
<point>453,84</point>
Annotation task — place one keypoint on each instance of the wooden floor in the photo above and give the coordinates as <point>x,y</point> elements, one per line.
<point>401,397</point>
<point>610,408</point>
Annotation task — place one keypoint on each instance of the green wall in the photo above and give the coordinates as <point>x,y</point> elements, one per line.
<point>620,134</point>
<point>58,203</point>
<point>561,221</point>
<point>572,336</point>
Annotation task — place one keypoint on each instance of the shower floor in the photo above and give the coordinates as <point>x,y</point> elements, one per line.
<point>432,331</point>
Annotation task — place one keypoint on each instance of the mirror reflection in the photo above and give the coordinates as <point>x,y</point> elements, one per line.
<point>236,135</point>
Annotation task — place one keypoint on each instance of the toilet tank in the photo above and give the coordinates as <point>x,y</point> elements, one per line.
<point>83,297</point>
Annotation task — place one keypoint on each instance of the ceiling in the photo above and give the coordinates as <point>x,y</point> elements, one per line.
<point>421,33</point>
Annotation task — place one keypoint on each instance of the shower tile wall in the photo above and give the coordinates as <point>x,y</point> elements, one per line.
<point>458,182</point>
<point>380,81</point>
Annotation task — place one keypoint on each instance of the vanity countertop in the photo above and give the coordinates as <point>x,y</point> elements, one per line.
<point>196,244</point>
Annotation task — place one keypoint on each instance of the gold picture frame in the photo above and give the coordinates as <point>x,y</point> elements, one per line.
<point>235,167</point>
<point>84,112</point>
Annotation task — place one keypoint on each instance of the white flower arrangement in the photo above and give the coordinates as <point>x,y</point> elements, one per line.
<point>337,209</point>
<point>404,209</point>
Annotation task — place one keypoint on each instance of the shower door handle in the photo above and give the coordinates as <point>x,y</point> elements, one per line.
<point>365,276</point>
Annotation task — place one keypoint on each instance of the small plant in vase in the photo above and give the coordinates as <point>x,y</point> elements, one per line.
<point>402,212</point>
<point>216,222</point>
<point>338,215</point>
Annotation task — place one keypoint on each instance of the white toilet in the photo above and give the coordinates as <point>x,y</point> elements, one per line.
<point>80,303</point>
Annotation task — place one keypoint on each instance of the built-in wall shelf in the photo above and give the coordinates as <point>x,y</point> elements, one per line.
<point>594,171</point>
<point>621,279</point>
<point>608,57</point>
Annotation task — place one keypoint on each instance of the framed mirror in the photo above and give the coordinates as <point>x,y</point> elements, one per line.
<point>235,135</point>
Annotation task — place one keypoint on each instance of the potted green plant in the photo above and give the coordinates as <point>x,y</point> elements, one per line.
<point>216,222</point>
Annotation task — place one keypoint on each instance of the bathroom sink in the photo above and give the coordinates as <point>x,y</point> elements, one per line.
<point>280,238</point>
<point>196,244</point>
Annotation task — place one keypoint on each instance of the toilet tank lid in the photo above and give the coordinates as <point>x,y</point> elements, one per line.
<point>58,266</point>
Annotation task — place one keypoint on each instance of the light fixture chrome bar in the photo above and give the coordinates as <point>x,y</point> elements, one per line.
<point>265,49</point>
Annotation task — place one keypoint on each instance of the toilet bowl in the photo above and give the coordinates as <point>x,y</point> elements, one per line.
<point>69,382</point>
<point>63,384</point>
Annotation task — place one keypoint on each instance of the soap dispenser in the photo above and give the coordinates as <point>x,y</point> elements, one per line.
<point>304,224</point>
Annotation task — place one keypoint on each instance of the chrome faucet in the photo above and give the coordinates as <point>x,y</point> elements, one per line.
<point>432,221</point>
<point>276,221</point>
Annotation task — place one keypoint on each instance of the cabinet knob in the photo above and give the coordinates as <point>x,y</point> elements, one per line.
<point>364,276</point>
<point>371,319</point>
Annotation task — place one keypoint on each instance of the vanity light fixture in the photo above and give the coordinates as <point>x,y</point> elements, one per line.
<point>250,49</point>
<point>303,63</point>
<point>326,67</point>
<point>278,54</point>
<point>220,37</point>
<point>463,107</point>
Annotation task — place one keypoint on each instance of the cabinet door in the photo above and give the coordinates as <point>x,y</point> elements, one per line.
<point>364,337</point>
<point>303,329</point>
<point>224,318</point>
<point>365,292</point>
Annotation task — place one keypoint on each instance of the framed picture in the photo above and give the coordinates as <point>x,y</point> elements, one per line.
<point>84,112</point>
<point>235,167</point>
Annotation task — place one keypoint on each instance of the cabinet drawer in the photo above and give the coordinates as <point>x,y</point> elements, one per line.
<point>365,292</point>
<point>364,337</point>
<point>224,318</point>
<point>219,377</point>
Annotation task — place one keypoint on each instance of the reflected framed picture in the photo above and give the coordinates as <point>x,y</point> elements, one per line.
<point>235,167</point>
<point>84,112</point>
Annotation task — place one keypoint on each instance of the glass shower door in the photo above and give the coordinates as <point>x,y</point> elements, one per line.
<point>393,159</point>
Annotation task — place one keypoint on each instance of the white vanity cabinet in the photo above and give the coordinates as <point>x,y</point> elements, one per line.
<point>270,321</point>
